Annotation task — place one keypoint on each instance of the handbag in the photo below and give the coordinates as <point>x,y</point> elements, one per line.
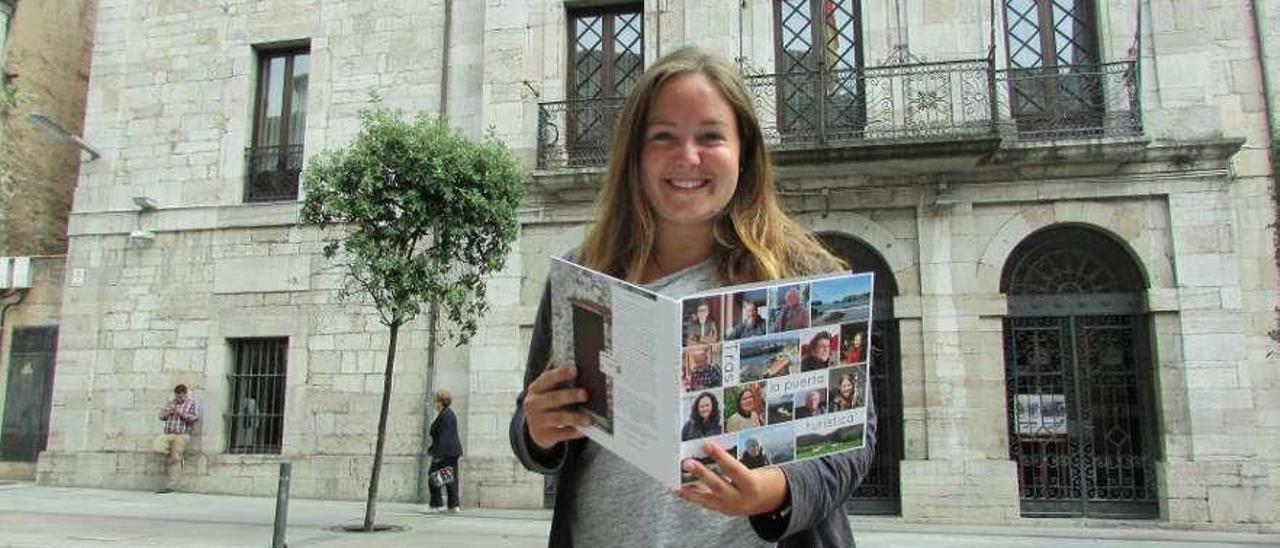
<point>443,476</point>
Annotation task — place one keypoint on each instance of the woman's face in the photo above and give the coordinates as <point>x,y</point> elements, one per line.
<point>846,387</point>
<point>814,400</point>
<point>689,160</point>
<point>857,339</point>
<point>747,403</point>
<point>705,408</point>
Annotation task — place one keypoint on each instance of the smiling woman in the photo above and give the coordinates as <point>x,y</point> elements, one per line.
<point>688,204</point>
<point>689,162</point>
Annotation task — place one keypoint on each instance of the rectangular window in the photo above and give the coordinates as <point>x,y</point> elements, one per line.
<point>818,50</point>
<point>6,15</point>
<point>255,420</point>
<point>1055,82</point>
<point>606,56</point>
<point>280,114</point>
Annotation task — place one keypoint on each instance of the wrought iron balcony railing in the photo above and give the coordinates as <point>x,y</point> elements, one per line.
<point>576,133</point>
<point>1072,101</point>
<point>927,102</point>
<point>272,173</point>
<point>897,103</point>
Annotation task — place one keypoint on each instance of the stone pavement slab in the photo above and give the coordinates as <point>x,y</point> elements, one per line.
<point>48,516</point>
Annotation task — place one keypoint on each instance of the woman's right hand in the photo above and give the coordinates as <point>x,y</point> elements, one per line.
<point>548,414</point>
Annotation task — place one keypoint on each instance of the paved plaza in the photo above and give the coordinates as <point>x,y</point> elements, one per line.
<point>47,516</point>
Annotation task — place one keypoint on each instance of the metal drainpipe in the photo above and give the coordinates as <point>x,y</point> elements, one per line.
<point>444,59</point>
<point>1269,109</point>
<point>428,393</point>
<point>4,312</point>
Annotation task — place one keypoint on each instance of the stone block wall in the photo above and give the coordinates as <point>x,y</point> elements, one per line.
<point>171,99</point>
<point>47,65</point>
<point>171,102</point>
<point>35,307</point>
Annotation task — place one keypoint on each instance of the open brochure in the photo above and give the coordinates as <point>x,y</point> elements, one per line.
<point>773,372</point>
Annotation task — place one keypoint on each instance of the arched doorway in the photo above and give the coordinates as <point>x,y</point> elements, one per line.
<point>1078,376</point>
<point>879,493</point>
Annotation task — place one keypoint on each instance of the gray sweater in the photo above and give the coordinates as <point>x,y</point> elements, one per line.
<point>602,500</point>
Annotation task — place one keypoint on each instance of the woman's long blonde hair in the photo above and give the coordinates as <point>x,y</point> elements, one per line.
<point>755,239</point>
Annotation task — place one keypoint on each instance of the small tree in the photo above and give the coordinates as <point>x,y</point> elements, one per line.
<point>421,216</point>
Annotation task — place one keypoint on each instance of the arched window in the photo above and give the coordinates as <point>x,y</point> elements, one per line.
<point>879,492</point>
<point>1078,377</point>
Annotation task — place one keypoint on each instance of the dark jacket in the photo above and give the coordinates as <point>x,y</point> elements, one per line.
<point>695,429</point>
<point>818,487</point>
<point>444,436</point>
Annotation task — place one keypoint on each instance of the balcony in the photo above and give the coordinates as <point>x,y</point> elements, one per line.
<point>936,108</point>
<point>272,173</point>
<point>903,111</point>
<point>576,133</point>
<point>1073,101</point>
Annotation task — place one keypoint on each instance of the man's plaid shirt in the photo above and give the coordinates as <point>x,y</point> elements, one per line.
<point>182,416</point>
<point>705,377</point>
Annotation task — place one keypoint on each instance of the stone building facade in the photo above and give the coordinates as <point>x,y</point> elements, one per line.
<point>1069,205</point>
<point>44,68</point>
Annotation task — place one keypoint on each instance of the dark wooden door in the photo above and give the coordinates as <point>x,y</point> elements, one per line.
<point>29,392</point>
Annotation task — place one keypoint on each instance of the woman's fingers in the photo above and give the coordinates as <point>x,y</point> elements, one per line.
<point>551,433</point>
<point>554,399</point>
<point>564,419</point>
<point>740,491</point>
<point>551,427</point>
<point>552,377</point>
<point>735,471</point>
<point>547,418</point>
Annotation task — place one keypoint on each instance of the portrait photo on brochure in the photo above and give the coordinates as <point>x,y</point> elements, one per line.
<point>702,319</point>
<point>789,308</point>
<point>746,312</point>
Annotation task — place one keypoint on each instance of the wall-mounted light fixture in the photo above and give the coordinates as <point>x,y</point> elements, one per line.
<point>145,203</point>
<point>47,125</point>
<point>945,195</point>
<point>140,235</point>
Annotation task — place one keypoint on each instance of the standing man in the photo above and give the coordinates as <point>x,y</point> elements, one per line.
<point>179,416</point>
<point>751,325</point>
<point>793,314</point>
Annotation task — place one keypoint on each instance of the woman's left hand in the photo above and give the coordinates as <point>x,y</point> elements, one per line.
<point>740,492</point>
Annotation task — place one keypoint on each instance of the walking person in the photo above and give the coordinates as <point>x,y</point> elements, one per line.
<point>445,450</point>
<point>179,415</point>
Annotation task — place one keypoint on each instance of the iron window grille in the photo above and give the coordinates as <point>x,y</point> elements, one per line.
<point>255,419</point>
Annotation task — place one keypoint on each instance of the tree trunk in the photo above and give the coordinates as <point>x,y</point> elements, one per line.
<point>369,508</point>
<point>428,405</point>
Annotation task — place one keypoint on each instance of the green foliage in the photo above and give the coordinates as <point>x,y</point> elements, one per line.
<point>9,96</point>
<point>1275,230</point>
<point>422,214</point>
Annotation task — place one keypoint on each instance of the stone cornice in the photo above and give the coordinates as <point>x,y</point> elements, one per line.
<point>186,218</point>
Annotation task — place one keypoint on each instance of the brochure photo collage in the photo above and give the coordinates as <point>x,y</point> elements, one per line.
<point>776,374</point>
